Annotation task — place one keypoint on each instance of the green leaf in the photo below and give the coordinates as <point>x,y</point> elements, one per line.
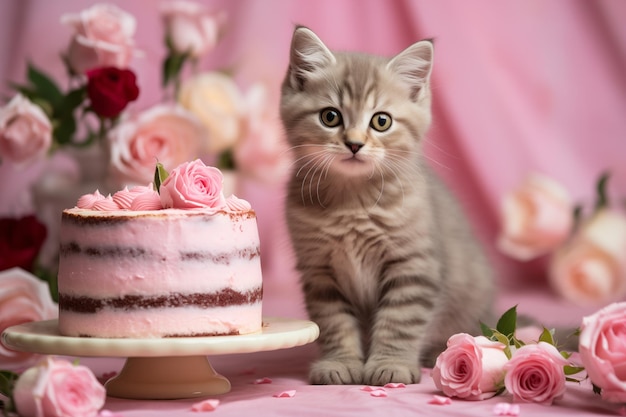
<point>486,330</point>
<point>172,66</point>
<point>7,382</point>
<point>507,322</point>
<point>572,370</point>
<point>44,85</point>
<point>160,175</point>
<point>547,336</point>
<point>601,197</point>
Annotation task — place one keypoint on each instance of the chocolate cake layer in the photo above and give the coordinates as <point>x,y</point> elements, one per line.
<point>227,297</point>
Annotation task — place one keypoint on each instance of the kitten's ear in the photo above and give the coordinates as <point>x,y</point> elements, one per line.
<point>308,54</point>
<point>413,66</point>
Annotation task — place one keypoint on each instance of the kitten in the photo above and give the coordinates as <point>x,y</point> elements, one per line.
<point>389,267</point>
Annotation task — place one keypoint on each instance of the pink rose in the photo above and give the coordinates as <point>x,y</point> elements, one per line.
<point>23,298</point>
<point>164,133</point>
<point>216,101</point>
<point>262,152</point>
<point>57,388</point>
<point>591,267</point>
<point>25,131</point>
<point>470,367</point>
<point>535,374</point>
<point>193,185</point>
<point>536,218</point>
<point>103,37</point>
<point>602,348</point>
<point>190,28</point>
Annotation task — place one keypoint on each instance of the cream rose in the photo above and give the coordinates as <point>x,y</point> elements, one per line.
<point>190,28</point>
<point>23,298</point>
<point>602,348</point>
<point>193,185</point>
<point>25,131</point>
<point>57,388</point>
<point>536,218</point>
<point>215,99</point>
<point>103,37</point>
<point>470,368</point>
<point>164,133</point>
<point>535,374</point>
<point>591,267</point>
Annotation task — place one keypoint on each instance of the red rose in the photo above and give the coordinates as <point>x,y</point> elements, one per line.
<point>20,242</point>
<point>110,89</point>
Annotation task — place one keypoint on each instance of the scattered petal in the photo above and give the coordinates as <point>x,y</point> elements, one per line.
<point>395,385</point>
<point>249,371</point>
<point>370,389</point>
<point>440,400</point>
<point>205,405</point>
<point>506,409</point>
<point>109,413</point>
<point>286,394</point>
<point>378,393</point>
<point>264,380</point>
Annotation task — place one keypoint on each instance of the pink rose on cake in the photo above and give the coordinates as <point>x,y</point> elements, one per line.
<point>470,368</point>
<point>103,36</point>
<point>193,185</point>
<point>23,298</point>
<point>57,388</point>
<point>602,350</point>
<point>164,133</point>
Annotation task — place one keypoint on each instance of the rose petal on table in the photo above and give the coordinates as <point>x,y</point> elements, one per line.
<point>394,385</point>
<point>506,409</point>
<point>264,380</point>
<point>440,400</point>
<point>370,389</point>
<point>205,405</point>
<point>286,394</point>
<point>379,393</point>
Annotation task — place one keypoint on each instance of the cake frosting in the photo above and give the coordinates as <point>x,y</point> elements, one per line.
<point>137,265</point>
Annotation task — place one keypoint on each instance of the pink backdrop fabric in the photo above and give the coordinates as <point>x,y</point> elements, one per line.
<point>519,86</point>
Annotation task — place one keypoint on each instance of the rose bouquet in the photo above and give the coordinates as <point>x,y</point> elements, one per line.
<point>497,362</point>
<point>586,253</point>
<point>92,135</point>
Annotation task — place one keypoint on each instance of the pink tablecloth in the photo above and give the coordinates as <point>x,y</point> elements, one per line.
<point>288,370</point>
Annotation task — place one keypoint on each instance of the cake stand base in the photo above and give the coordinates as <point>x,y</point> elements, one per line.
<point>170,368</point>
<point>167,378</point>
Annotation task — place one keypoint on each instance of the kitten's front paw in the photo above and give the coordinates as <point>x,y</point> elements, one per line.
<point>336,372</point>
<point>385,371</point>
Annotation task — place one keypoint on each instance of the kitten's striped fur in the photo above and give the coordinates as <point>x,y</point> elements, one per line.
<point>388,264</point>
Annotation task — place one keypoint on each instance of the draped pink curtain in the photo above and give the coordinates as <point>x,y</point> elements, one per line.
<point>519,86</point>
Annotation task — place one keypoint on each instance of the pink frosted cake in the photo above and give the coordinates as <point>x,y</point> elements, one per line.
<point>139,264</point>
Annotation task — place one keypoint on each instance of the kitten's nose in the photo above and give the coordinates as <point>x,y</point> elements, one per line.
<point>354,146</point>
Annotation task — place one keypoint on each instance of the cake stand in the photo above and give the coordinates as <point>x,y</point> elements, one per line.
<point>169,368</point>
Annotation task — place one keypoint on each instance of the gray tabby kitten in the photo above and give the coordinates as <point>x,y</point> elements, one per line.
<point>388,264</point>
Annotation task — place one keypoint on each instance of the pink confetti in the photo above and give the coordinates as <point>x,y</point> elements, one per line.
<point>506,409</point>
<point>371,389</point>
<point>264,380</point>
<point>205,405</point>
<point>286,394</point>
<point>440,400</point>
<point>379,393</point>
<point>395,385</point>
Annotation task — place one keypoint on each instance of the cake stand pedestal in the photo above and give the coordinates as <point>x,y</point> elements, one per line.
<point>169,368</point>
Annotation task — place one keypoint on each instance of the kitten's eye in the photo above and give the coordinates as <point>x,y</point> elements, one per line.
<point>381,121</point>
<point>330,117</point>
